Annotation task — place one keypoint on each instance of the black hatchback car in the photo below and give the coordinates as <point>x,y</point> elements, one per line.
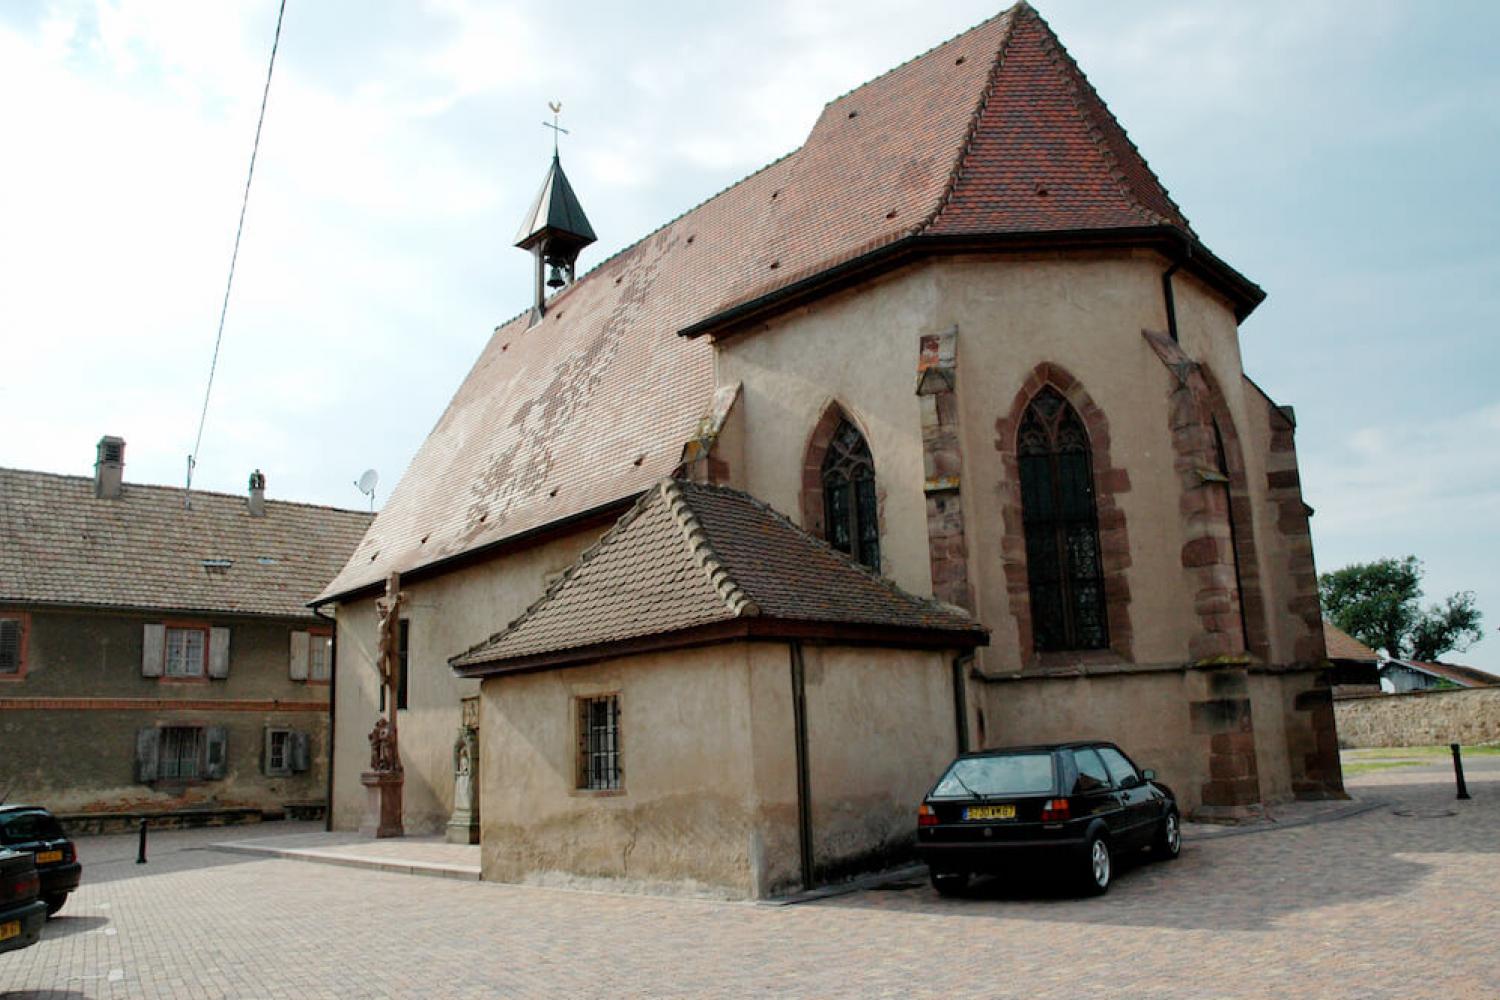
<point>21,913</point>
<point>1076,806</point>
<point>34,830</point>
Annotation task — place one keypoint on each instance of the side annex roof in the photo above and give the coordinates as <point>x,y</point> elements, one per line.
<point>692,563</point>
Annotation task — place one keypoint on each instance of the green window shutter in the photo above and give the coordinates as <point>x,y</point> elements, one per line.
<point>218,652</point>
<point>297,663</point>
<point>217,754</point>
<point>153,649</point>
<point>147,743</point>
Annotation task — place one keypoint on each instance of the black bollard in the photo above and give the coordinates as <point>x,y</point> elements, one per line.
<point>140,854</point>
<point>1458,771</point>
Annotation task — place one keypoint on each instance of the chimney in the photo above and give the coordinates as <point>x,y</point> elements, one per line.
<point>257,501</point>
<point>109,468</point>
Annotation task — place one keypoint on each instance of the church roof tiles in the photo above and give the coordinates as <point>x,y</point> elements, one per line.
<point>688,557</point>
<point>994,135</point>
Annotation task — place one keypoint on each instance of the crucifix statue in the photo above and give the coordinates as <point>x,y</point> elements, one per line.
<point>383,752</point>
<point>384,778</point>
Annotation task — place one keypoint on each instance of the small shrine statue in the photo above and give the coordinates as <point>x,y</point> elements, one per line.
<point>462,774</point>
<point>382,747</point>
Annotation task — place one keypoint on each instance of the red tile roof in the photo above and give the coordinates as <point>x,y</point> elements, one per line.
<point>688,556</point>
<point>61,545</point>
<point>993,132</point>
<point>1343,646</point>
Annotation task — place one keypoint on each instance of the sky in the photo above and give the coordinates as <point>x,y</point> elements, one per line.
<point>1341,154</point>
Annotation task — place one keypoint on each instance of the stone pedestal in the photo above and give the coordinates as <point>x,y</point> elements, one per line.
<point>382,804</point>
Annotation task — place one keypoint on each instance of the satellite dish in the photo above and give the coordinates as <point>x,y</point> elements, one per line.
<point>366,485</point>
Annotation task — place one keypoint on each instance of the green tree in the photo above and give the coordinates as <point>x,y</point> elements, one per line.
<point>1380,604</point>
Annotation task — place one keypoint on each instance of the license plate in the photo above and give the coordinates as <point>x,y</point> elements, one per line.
<point>47,857</point>
<point>10,929</point>
<point>990,812</point>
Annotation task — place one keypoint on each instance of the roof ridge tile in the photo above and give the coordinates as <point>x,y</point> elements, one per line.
<point>1076,81</point>
<point>574,568</point>
<point>741,604</point>
<point>889,585</point>
<point>974,120</point>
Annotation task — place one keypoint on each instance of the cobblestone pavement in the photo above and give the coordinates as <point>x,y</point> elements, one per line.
<point>1397,902</point>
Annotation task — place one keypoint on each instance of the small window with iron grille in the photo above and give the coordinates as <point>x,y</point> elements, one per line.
<point>278,752</point>
<point>599,743</point>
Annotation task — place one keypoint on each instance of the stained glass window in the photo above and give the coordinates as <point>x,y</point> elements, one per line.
<point>1062,527</point>
<point>850,515</point>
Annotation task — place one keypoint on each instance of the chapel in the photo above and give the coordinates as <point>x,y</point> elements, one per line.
<point>932,435</point>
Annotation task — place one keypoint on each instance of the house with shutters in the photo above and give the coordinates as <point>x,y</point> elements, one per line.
<point>961,339</point>
<point>157,656</point>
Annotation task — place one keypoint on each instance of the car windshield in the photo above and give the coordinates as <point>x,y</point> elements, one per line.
<point>25,827</point>
<point>986,777</point>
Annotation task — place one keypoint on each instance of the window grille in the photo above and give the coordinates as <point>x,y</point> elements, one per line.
<point>599,743</point>
<point>180,753</point>
<point>278,751</point>
<point>1061,522</point>
<point>186,651</point>
<point>10,645</point>
<point>850,512</point>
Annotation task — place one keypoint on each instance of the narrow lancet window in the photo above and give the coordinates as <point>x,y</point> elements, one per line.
<point>1064,570</point>
<point>850,516</point>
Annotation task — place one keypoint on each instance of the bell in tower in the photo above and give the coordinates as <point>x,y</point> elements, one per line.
<point>555,230</point>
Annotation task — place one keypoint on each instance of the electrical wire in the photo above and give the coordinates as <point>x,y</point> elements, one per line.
<point>234,257</point>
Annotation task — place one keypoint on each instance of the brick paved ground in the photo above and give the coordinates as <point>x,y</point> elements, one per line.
<point>1381,905</point>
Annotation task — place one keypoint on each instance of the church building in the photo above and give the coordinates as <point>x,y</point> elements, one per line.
<point>931,435</point>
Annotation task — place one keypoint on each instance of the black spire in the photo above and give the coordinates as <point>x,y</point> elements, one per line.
<point>555,230</point>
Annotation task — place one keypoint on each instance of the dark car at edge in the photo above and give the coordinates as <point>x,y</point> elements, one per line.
<point>21,913</point>
<point>34,830</point>
<point>1076,807</point>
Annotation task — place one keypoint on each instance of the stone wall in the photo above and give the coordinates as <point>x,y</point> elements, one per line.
<point>1419,718</point>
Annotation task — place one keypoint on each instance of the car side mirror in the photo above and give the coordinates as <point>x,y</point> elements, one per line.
<point>1149,774</point>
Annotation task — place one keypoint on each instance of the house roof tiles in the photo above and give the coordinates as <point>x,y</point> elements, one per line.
<point>993,132</point>
<point>1458,674</point>
<point>61,545</point>
<point>1343,646</point>
<point>689,555</point>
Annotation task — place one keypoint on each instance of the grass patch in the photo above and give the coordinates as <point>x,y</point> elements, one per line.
<point>1357,768</point>
<point>1389,753</point>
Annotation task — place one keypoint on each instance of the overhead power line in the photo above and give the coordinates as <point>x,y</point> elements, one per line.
<point>234,257</point>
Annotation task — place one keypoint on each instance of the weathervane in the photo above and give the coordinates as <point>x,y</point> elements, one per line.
<point>556,107</point>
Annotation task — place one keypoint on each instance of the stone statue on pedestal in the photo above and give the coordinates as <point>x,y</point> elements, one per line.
<point>463,826</point>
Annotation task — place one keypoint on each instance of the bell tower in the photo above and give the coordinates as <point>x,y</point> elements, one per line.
<point>555,229</point>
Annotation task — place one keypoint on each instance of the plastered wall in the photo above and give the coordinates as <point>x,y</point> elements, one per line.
<point>77,754</point>
<point>1012,314</point>
<point>447,615</point>
<point>709,793</point>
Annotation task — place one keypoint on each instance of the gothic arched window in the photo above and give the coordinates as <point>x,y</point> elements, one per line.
<point>1063,567</point>
<point>850,516</point>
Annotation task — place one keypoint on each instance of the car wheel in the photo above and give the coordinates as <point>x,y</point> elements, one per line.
<point>55,902</point>
<point>950,883</point>
<point>1099,867</point>
<point>1168,837</point>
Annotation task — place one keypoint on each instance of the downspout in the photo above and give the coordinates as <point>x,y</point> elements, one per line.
<point>333,701</point>
<point>961,701</point>
<point>1166,290</point>
<point>799,726</point>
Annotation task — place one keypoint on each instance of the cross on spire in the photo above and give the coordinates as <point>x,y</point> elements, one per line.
<point>556,107</point>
